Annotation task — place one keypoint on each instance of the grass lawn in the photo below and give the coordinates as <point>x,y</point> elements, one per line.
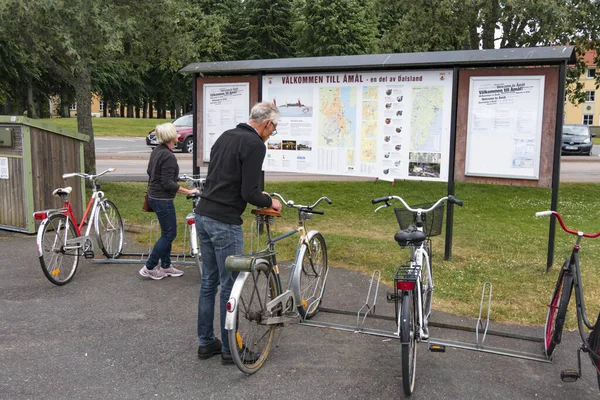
<point>496,238</point>
<point>121,127</point>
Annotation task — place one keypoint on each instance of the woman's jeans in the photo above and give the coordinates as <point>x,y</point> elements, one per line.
<point>165,212</point>
<point>217,241</point>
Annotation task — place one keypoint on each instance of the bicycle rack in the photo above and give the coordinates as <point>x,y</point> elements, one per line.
<point>479,338</point>
<point>141,258</point>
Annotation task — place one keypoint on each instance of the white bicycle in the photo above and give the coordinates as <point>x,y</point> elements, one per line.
<point>190,220</point>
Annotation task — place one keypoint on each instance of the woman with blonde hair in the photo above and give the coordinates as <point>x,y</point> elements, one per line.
<point>163,171</point>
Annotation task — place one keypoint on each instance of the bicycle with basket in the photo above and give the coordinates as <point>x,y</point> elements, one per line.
<point>413,282</point>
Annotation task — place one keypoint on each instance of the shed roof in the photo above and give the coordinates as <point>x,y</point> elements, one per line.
<point>435,59</point>
<point>36,123</point>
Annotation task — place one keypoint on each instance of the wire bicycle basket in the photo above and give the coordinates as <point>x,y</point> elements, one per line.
<point>432,221</point>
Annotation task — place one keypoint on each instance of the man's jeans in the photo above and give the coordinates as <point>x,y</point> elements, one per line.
<point>165,212</point>
<point>217,241</point>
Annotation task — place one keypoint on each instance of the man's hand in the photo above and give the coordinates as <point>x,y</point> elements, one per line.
<point>276,205</point>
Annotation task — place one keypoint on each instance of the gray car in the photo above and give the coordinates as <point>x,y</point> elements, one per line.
<point>577,139</point>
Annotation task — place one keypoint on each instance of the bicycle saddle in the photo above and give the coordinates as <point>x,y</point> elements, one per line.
<point>409,236</point>
<point>266,211</point>
<point>62,191</point>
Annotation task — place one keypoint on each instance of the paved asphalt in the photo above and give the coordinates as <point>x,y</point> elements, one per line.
<point>110,334</point>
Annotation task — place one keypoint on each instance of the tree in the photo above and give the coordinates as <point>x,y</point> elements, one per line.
<point>269,30</point>
<point>335,28</point>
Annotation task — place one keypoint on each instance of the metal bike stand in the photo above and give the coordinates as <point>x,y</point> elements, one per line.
<point>141,258</point>
<point>477,346</point>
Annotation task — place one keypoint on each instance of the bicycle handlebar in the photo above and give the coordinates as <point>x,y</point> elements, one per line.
<point>309,209</point>
<point>451,199</point>
<point>562,224</point>
<point>87,176</point>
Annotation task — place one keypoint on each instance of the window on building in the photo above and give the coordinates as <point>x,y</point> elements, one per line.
<point>102,105</point>
<point>73,107</point>
<point>591,73</point>
<point>588,119</point>
<point>590,95</point>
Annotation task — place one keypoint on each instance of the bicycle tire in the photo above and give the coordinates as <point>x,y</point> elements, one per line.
<point>312,275</point>
<point>251,338</point>
<point>408,342</point>
<point>109,229</point>
<point>594,344</point>
<point>58,264</point>
<point>557,311</point>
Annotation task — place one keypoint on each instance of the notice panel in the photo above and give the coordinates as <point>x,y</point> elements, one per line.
<point>225,106</point>
<point>390,125</point>
<point>504,127</point>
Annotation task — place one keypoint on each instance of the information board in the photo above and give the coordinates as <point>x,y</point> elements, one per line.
<point>225,105</point>
<point>390,125</point>
<point>504,126</point>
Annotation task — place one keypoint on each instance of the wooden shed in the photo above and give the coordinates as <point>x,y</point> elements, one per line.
<point>33,157</point>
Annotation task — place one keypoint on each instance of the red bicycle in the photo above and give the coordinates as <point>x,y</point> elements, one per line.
<point>569,277</point>
<point>61,240</point>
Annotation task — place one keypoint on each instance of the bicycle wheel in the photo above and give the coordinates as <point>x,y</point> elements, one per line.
<point>312,275</point>
<point>58,262</point>
<point>557,311</point>
<point>408,331</point>
<point>251,339</point>
<point>594,343</point>
<point>109,229</point>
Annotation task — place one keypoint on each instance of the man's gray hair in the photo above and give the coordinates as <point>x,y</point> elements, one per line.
<point>264,111</point>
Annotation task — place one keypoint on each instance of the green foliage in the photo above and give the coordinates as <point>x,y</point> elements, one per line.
<point>117,127</point>
<point>268,30</point>
<point>335,28</point>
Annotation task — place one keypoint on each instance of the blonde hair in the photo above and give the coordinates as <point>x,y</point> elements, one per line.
<point>166,133</point>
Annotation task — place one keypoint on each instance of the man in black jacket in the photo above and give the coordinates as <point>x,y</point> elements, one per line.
<point>232,182</point>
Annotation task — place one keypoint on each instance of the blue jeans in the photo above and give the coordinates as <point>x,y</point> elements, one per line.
<point>165,212</point>
<point>217,241</point>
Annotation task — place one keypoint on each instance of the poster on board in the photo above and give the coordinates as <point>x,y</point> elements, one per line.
<point>225,106</point>
<point>504,128</point>
<point>389,125</point>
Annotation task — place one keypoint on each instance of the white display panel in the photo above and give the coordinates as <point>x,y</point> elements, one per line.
<point>504,127</point>
<point>225,106</point>
<point>390,125</point>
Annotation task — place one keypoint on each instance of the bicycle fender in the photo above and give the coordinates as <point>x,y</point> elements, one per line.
<point>234,298</point>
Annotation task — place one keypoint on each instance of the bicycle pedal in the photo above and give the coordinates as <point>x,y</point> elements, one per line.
<point>391,297</point>
<point>437,348</point>
<point>569,375</point>
<point>88,254</point>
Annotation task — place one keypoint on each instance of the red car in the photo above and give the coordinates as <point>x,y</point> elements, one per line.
<point>184,126</point>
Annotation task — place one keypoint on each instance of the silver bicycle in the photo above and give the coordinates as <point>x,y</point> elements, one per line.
<point>190,220</point>
<point>258,304</point>
<point>413,283</point>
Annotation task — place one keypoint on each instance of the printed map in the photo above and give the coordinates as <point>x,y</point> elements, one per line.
<point>426,121</point>
<point>337,121</point>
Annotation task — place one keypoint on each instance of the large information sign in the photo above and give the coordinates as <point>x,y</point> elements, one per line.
<point>504,127</point>
<point>390,125</point>
<point>225,106</point>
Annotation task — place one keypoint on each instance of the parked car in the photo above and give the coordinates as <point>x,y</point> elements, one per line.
<point>184,126</point>
<point>577,139</point>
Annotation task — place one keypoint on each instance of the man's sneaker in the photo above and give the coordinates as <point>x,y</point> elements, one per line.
<point>154,273</point>
<point>209,350</point>
<point>171,271</point>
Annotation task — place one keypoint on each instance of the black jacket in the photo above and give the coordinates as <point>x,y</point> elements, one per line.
<point>162,173</point>
<point>233,176</point>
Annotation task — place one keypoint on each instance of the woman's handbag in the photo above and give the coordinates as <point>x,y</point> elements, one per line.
<point>146,206</point>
